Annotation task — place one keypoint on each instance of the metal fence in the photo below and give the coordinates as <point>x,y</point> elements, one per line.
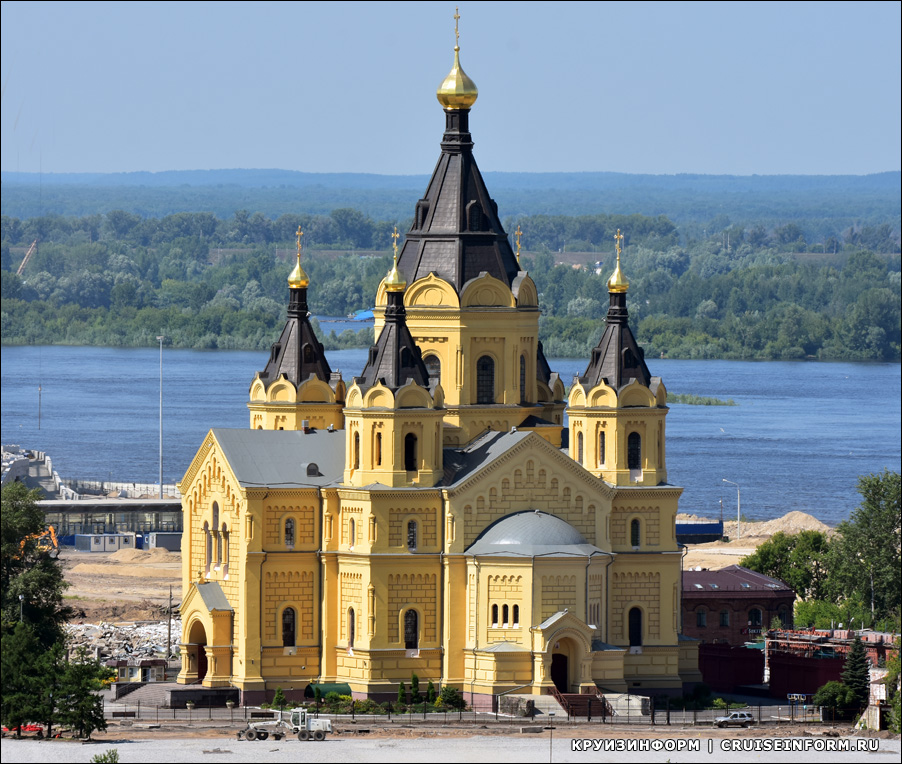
<point>240,715</point>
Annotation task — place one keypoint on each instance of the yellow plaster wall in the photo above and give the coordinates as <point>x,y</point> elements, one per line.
<point>289,588</point>
<point>406,590</point>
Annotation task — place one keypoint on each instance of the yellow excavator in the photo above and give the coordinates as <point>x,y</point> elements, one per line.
<point>46,542</point>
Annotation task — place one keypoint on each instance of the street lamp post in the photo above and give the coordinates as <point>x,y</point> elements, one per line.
<point>551,738</point>
<point>738,521</point>
<point>160,338</point>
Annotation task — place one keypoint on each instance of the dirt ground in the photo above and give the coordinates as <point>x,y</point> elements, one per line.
<point>134,585</point>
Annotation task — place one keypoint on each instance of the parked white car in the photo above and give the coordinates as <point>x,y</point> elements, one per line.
<point>736,718</point>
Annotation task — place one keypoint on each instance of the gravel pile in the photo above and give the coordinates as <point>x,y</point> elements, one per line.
<point>125,640</point>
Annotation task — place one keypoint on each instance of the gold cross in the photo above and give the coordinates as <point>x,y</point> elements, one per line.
<point>518,233</point>
<point>456,30</point>
<point>395,236</point>
<point>300,234</point>
<point>619,239</point>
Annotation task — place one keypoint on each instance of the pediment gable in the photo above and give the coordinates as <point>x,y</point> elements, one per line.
<point>503,456</point>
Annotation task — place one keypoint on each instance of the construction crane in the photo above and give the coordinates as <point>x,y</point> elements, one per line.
<point>28,254</point>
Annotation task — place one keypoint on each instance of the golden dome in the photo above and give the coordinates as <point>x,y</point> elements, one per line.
<point>618,282</point>
<point>395,281</point>
<point>457,90</point>
<point>298,278</point>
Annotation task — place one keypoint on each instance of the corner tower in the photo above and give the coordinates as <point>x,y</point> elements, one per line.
<point>617,409</point>
<point>394,411</point>
<point>470,307</point>
<point>297,389</point>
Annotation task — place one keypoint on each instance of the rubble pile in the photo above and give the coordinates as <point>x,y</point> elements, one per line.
<point>124,641</point>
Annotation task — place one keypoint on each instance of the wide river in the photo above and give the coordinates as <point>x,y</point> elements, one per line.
<point>798,439</point>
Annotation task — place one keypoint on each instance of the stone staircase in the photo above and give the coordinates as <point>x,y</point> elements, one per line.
<point>150,694</point>
<point>544,704</point>
<point>624,704</point>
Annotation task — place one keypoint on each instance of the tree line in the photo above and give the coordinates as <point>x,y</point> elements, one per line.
<point>205,282</point>
<point>40,682</point>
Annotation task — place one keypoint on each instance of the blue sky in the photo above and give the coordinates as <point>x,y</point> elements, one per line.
<point>738,88</point>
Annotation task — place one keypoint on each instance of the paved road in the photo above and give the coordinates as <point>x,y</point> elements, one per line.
<point>493,748</point>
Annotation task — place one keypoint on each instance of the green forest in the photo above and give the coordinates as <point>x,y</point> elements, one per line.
<point>758,292</point>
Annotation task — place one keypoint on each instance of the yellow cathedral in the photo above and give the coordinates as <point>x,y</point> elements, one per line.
<point>434,515</point>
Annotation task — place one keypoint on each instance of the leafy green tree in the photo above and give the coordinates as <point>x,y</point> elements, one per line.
<point>31,581</point>
<point>856,673</point>
<point>864,559</point>
<point>430,692</point>
<point>278,699</point>
<point>892,688</point>
<point>415,697</point>
<point>834,695</point>
<point>18,654</point>
<point>402,694</point>
<point>80,707</point>
<point>796,559</point>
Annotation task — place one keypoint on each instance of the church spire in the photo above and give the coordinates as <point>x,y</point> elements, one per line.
<point>298,353</point>
<point>456,231</point>
<point>457,90</point>
<point>395,359</point>
<point>617,359</point>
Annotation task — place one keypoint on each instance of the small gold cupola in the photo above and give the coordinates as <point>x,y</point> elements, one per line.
<point>298,278</point>
<point>618,283</point>
<point>457,90</point>
<point>395,281</point>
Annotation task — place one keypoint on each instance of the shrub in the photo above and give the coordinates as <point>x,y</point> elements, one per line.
<point>110,756</point>
<point>450,697</point>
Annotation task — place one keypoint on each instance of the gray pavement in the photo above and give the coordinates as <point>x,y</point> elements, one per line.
<point>436,747</point>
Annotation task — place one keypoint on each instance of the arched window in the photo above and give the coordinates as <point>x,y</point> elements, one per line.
<point>352,533</point>
<point>412,535</point>
<point>634,451</point>
<point>485,380</point>
<point>411,630</point>
<point>505,612</point>
<point>523,390</point>
<point>208,552</point>
<point>410,452</point>
<point>289,619</point>
<point>378,449</point>
<point>579,447</point>
<point>635,532</point>
<point>635,626</point>
<point>215,523</point>
<point>289,533</point>
<point>356,450</point>
<point>433,367</point>
<point>225,546</point>
<point>724,618</point>
<point>701,618</point>
<point>516,616</point>
<point>601,448</point>
<point>494,615</point>
<point>352,626</point>
<point>755,618</point>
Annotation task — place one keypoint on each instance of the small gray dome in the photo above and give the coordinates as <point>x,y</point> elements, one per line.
<point>531,532</point>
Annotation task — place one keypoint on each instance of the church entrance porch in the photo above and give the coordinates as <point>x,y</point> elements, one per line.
<point>559,674</point>
<point>194,655</point>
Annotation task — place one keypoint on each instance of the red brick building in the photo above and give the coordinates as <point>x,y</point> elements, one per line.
<point>733,605</point>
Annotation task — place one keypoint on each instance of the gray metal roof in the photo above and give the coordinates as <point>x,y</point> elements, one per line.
<point>532,534</point>
<point>213,596</point>
<point>461,463</point>
<point>283,458</point>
